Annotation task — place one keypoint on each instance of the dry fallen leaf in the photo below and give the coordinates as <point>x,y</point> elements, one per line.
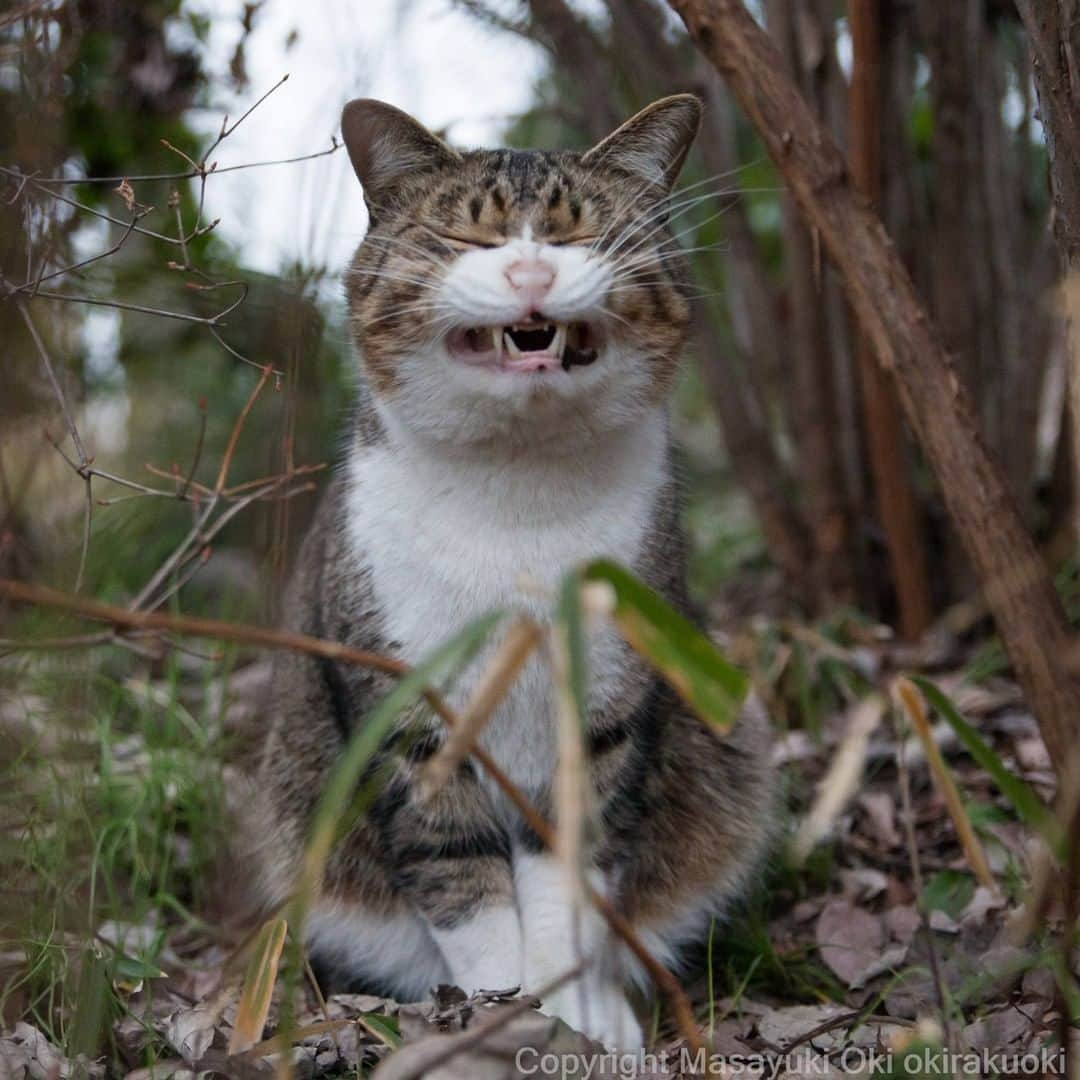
<point>782,1027</point>
<point>997,1030</point>
<point>191,1031</point>
<point>258,986</point>
<point>850,940</point>
<point>880,808</point>
<point>434,1057</point>
<point>26,1054</point>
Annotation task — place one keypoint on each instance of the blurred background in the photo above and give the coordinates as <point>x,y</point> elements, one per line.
<point>133,217</point>
<point>781,486</point>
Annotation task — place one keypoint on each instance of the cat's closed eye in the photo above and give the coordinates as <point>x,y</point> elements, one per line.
<point>459,241</point>
<point>572,241</point>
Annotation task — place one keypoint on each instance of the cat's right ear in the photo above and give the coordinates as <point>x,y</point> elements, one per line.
<point>654,143</point>
<point>385,144</point>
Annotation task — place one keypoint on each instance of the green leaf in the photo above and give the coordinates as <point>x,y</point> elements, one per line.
<point>340,791</point>
<point>382,1027</point>
<point>949,891</point>
<point>1025,802</point>
<point>572,622</point>
<point>714,688</point>
<point>131,968</point>
<point>93,1005</point>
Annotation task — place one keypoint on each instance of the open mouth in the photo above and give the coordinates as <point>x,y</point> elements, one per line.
<point>534,346</point>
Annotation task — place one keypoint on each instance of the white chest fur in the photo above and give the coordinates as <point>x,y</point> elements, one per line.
<point>449,538</point>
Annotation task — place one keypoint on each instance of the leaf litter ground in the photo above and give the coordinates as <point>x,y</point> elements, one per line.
<point>837,954</point>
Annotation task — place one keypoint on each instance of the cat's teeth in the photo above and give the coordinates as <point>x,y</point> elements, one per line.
<point>497,338</point>
<point>511,346</point>
<point>558,344</point>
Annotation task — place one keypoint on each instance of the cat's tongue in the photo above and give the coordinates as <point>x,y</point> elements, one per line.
<point>530,361</point>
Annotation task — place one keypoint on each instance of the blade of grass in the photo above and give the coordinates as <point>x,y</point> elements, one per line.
<point>258,988</point>
<point>1025,802</point>
<point>973,850</point>
<point>708,683</point>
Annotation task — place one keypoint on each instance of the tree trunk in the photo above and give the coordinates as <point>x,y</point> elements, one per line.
<point>815,418</point>
<point>1017,585</point>
<point>950,34</point>
<point>884,433</point>
<point>1053,28</point>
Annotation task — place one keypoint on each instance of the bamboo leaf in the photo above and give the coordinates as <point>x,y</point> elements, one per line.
<point>258,988</point>
<point>571,621</point>
<point>1025,802</point>
<point>946,785</point>
<point>131,967</point>
<point>707,682</point>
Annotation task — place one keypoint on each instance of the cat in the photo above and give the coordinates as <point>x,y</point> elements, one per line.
<point>519,318</point>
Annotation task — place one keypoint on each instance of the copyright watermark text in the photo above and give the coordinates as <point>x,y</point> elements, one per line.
<point>852,1060</point>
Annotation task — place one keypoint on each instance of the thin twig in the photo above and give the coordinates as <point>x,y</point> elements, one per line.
<point>238,427</point>
<point>196,534</point>
<point>917,879</point>
<point>24,178</point>
<point>50,371</point>
<point>511,655</point>
<point>32,286</point>
<point>196,626</point>
<point>182,493</point>
<point>142,309</point>
<point>76,641</point>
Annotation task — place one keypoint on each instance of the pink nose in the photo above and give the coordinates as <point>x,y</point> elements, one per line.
<point>531,278</point>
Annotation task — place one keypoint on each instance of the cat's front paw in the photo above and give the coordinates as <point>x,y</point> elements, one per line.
<point>599,1011</point>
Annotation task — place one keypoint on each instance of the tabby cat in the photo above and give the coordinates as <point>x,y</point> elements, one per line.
<point>519,317</point>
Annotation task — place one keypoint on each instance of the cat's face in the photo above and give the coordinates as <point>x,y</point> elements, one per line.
<point>519,294</point>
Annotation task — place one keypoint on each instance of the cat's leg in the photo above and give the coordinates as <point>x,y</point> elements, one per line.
<point>362,935</point>
<point>418,893</point>
<point>560,935</point>
<point>708,813</point>
<point>360,949</point>
<point>414,896</point>
<point>449,857</point>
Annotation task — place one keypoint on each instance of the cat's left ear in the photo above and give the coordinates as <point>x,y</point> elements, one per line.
<point>386,144</point>
<point>654,143</point>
